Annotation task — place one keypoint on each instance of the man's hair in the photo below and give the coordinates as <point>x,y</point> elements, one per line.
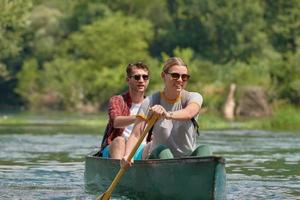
<point>139,65</point>
<point>173,61</point>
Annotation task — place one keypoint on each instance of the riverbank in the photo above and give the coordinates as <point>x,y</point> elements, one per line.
<point>287,119</point>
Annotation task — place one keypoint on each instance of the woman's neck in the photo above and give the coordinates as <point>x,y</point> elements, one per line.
<point>170,95</point>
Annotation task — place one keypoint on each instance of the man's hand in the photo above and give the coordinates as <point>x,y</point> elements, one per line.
<point>125,164</point>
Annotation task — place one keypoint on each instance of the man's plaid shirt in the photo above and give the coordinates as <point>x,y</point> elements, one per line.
<point>118,106</point>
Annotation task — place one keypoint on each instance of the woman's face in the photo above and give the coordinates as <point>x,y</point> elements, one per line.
<point>176,78</point>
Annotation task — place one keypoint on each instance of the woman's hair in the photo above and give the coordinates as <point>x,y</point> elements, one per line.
<point>173,61</point>
<point>139,65</point>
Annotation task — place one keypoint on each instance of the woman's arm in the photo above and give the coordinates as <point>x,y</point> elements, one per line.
<point>190,111</point>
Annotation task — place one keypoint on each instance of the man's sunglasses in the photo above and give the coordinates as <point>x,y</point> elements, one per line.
<point>176,76</point>
<point>137,77</point>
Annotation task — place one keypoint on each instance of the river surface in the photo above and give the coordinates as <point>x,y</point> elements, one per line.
<point>47,162</point>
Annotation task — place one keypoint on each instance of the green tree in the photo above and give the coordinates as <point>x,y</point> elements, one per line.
<point>45,32</point>
<point>220,31</point>
<point>90,65</point>
<point>3,72</point>
<point>285,78</point>
<point>74,52</point>
<point>28,83</point>
<point>84,12</point>
<point>13,23</point>
<point>283,24</point>
<point>283,28</point>
<point>155,11</point>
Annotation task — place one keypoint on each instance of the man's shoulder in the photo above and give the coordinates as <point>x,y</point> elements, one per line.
<point>126,97</point>
<point>120,100</point>
<point>116,98</point>
<point>123,96</point>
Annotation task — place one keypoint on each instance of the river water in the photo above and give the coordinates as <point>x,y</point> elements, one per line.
<point>47,162</point>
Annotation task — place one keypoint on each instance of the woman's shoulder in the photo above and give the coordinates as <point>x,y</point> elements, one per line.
<point>191,94</point>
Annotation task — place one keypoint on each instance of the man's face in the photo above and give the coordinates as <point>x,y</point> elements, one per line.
<point>139,80</point>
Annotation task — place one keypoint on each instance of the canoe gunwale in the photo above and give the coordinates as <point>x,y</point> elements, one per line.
<point>192,159</point>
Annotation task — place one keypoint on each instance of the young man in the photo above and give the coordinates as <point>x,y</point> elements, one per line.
<point>122,110</point>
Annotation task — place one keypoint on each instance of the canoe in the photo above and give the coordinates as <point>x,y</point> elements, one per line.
<point>181,178</point>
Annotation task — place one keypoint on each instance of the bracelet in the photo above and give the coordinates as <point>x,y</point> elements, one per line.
<point>170,115</point>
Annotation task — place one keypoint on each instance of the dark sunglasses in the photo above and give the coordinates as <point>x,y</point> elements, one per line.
<point>176,76</point>
<point>137,77</point>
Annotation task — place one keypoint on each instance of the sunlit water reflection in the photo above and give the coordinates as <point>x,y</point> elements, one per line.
<point>47,162</point>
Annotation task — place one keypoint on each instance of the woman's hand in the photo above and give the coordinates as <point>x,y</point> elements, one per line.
<point>161,111</point>
<point>125,164</point>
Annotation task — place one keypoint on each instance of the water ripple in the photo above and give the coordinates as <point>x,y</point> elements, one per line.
<point>259,164</point>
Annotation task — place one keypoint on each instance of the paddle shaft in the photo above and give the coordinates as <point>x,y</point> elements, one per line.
<point>121,172</point>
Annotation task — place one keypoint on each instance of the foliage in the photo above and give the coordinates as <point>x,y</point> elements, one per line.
<point>217,30</point>
<point>212,121</point>
<point>110,40</point>
<point>284,118</point>
<point>28,82</point>
<point>81,13</point>
<point>13,21</point>
<point>13,24</point>
<point>285,78</point>
<point>282,19</point>
<point>89,66</point>
<point>47,32</point>
<point>72,54</point>
<point>3,72</point>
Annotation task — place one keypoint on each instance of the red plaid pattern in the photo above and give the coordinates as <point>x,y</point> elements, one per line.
<point>118,106</point>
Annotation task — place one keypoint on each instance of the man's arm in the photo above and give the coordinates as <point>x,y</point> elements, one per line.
<point>135,135</point>
<point>132,140</point>
<point>123,121</point>
<point>115,108</point>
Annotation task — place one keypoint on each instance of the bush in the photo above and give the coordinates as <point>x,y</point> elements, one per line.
<point>286,117</point>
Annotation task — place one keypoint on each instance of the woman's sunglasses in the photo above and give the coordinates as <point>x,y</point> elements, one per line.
<point>137,77</point>
<point>176,76</point>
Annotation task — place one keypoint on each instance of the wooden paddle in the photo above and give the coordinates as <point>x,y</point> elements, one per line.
<point>106,195</point>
